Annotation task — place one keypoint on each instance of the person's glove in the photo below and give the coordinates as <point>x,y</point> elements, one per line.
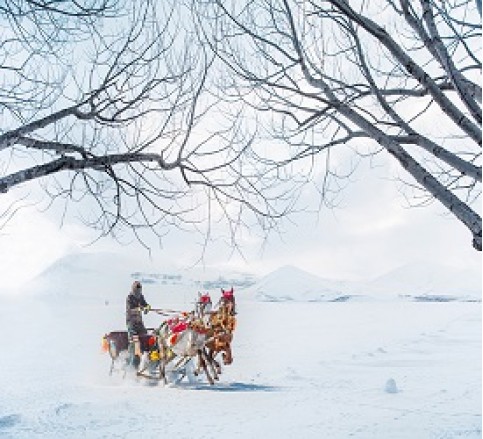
<point>146,309</point>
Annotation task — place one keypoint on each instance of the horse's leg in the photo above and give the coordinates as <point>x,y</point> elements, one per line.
<point>230,354</point>
<point>205,367</point>
<point>181,368</point>
<point>227,355</point>
<point>200,361</point>
<point>212,364</point>
<point>143,364</point>
<point>215,362</point>
<point>112,353</point>
<point>211,354</point>
<point>197,370</point>
<point>162,370</point>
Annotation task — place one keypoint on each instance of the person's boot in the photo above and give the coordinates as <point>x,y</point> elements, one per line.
<point>136,360</point>
<point>137,352</point>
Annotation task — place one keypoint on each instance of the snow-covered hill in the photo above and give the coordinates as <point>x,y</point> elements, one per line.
<point>428,282</point>
<point>415,282</point>
<point>83,275</point>
<point>106,277</point>
<point>290,283</point>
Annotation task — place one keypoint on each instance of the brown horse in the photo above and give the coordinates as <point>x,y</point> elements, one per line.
<point>220,335</point>
<point>121,348</point>
<point>227,300</point>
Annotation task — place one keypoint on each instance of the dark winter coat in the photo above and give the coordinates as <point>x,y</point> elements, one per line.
<point>134,320</point>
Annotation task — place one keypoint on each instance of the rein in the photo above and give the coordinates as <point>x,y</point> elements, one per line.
<point>168,312</point>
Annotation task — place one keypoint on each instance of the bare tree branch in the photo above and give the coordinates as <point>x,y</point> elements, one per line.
<point>326,74</point>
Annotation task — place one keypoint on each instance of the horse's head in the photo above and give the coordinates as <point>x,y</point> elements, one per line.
<point>203,304</point>
<point>227,294</point>
<point>204,298</point>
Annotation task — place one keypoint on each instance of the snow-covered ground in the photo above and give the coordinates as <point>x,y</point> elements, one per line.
<point>365,369</point>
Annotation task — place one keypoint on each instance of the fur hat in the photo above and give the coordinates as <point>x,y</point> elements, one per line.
<point>136,286</point>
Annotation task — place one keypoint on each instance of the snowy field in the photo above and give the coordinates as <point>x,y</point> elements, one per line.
<point>301,370</point>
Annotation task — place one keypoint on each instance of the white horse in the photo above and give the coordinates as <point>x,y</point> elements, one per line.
<point>182,342</point>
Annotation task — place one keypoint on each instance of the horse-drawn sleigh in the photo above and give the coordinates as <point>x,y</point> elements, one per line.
<point>185,344</point>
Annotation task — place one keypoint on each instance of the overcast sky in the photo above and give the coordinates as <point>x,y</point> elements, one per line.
<point>371,233</point>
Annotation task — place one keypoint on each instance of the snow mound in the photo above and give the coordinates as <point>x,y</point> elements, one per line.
<point>391,386</point>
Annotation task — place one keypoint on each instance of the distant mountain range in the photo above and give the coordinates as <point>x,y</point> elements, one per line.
<point>108,276</point>
<point>428,282</point>
<point>419,282</point>
<point>290,283</point>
